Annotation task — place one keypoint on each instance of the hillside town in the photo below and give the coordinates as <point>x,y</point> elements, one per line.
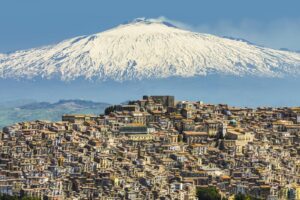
<point>155,148</point>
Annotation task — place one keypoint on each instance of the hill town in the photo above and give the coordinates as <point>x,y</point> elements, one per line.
<point>155,148</point>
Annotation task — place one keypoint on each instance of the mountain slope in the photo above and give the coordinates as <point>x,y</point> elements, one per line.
<point>146,49</point>
<point>47,111</point>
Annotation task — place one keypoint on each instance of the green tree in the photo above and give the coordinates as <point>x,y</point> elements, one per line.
<point>30,198</point>
<point>240,196</point>
<point>210,193</point>
<point>244,197</point>
<point>9,197</point>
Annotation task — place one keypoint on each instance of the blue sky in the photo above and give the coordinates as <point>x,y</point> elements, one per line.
<point>32,23</point>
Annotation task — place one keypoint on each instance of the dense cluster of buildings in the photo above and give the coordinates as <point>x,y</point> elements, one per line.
<point>155,148</point>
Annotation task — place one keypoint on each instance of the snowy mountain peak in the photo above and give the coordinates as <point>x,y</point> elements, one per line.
<point>147,48</point>
<point>143,20</point>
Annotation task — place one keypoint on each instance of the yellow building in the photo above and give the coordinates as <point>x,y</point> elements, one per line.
<point>140,137</point>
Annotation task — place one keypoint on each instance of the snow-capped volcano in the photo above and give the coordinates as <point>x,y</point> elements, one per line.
<point>146,49</point>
